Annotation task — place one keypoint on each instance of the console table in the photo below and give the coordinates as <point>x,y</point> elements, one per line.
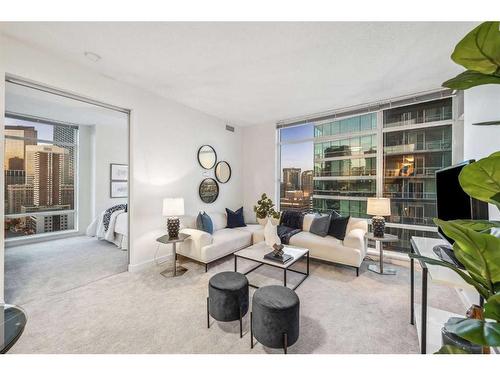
<point>431,320</point>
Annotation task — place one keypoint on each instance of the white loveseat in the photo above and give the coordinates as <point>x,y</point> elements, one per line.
<point>351,251</point>
<point>206,248</point>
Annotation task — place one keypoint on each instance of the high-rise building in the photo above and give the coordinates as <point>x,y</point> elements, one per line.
<point>345,162</point>
<point>67,195</point>
<point>417,143</point>
<point>15,146</point>
<point>65,137</point>
<point>393,151</point>
<point>306,183</point>
<point>47,223</point>
<point>18,196</point>
<point>291,179</point>
<point>45,168</point>
<point>14,177</point>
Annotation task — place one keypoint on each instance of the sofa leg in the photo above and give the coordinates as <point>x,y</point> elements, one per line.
<point>357,271</point>
<point>206,267</point>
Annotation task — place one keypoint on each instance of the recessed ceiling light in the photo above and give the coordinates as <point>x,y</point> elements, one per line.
<point>94,57</point>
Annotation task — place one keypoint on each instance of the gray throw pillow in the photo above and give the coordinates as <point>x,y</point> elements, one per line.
<point>204,223</point>
<point>320,225</point>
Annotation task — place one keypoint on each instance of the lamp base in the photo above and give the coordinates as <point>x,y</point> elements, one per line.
<point>378,225</point>
<point>173,225</point>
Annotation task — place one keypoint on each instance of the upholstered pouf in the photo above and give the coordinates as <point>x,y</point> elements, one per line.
<point>274,320</point>
<point>227,297</point>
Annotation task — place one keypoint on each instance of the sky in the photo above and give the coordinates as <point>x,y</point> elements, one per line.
<point>297,155</point>
<point>45,132</point>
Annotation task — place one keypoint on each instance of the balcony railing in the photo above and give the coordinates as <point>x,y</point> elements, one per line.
<point>350,193</point>
<point>417,172</point>
<point>366,172</point>
<point>407,195</point>
<point>422,146</point>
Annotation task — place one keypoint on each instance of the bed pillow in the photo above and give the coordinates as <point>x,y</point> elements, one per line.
<point>235,219</point>
<point>204,223</point>
<point>320,225</point>
<point>338,225</point>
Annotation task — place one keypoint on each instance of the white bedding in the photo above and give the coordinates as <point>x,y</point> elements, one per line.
<point>117,232</point>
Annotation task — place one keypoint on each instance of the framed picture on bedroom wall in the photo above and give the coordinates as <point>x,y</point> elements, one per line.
<point>119,172</point>
<point>119,189</point>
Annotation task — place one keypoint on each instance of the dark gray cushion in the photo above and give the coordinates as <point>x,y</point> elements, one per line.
<point>275,311</point>
<point>320,225</point>
<point>338,225</point>
<point>228,296</point>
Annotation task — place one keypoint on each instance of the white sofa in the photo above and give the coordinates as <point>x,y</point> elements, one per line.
<point>206,248</point>
<point>351,251</point>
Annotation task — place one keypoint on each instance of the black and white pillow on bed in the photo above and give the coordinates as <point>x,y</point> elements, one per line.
<point>107,214</point>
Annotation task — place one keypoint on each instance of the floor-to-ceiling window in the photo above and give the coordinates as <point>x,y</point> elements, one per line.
<point>393,152</point>
<point>39,167</point>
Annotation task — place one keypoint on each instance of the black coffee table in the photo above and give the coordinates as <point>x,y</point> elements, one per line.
<point>12,323</point>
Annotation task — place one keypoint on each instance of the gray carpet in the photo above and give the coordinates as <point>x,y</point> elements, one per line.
<point>37,271</point>
<point>147,313</point>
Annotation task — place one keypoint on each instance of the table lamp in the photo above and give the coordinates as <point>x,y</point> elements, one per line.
<point>379,207</point>
<point>172,208</point>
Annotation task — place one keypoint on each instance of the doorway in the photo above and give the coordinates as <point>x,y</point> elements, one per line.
<point>59,158</point>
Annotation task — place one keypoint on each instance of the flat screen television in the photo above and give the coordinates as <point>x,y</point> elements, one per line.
<point>452,202</point>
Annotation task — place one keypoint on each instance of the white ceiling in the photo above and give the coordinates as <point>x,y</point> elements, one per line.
<point>256,73</point>
<point>35,103</point>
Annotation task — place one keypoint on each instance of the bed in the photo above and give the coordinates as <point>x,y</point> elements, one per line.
<point>116,221</point>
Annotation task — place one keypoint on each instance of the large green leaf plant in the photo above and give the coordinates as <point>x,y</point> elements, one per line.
<point>479,53</point>
<point>477,247</point>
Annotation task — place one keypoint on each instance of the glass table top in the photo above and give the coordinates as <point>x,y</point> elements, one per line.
<point>12,323</point>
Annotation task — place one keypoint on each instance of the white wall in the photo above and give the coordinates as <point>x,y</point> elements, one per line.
<point>2,208</point>
<point>482,103</point>
<point>164,135</point>
<point>259,165</point>
<point>109,145</point>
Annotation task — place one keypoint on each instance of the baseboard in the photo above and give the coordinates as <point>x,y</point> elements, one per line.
<point>148,264</point>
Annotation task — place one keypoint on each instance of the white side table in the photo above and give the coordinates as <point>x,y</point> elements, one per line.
<point>379,241</point>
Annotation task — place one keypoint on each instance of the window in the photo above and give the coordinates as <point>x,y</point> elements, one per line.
<point>332,164</point>
<point>40,169</point>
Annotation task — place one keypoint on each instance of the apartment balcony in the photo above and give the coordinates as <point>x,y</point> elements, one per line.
<point>426,172</point>
<point>354,173</point>
<point>344,193</point>
<point>409,195</point>
<point>418,147</point>
<point>411,220</point>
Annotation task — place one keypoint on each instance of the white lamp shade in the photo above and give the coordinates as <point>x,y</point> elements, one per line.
<point>378,206</point>
<point>173,206</point>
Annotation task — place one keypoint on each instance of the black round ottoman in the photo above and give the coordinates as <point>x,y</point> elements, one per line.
<point>227,297</point>
<point>274,320</point>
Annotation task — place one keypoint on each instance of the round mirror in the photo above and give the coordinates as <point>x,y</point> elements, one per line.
<point>223,172</point>
<point>207,157</point>
<point>209,190</point>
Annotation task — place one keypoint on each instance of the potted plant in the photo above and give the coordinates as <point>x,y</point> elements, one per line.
<point>477,247</point>
<point>477,242</point>
<point>479,53</point>
<point>264,209</point>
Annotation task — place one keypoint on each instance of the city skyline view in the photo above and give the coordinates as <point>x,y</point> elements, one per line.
<point>345,156</point>
<point>39,177</point>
